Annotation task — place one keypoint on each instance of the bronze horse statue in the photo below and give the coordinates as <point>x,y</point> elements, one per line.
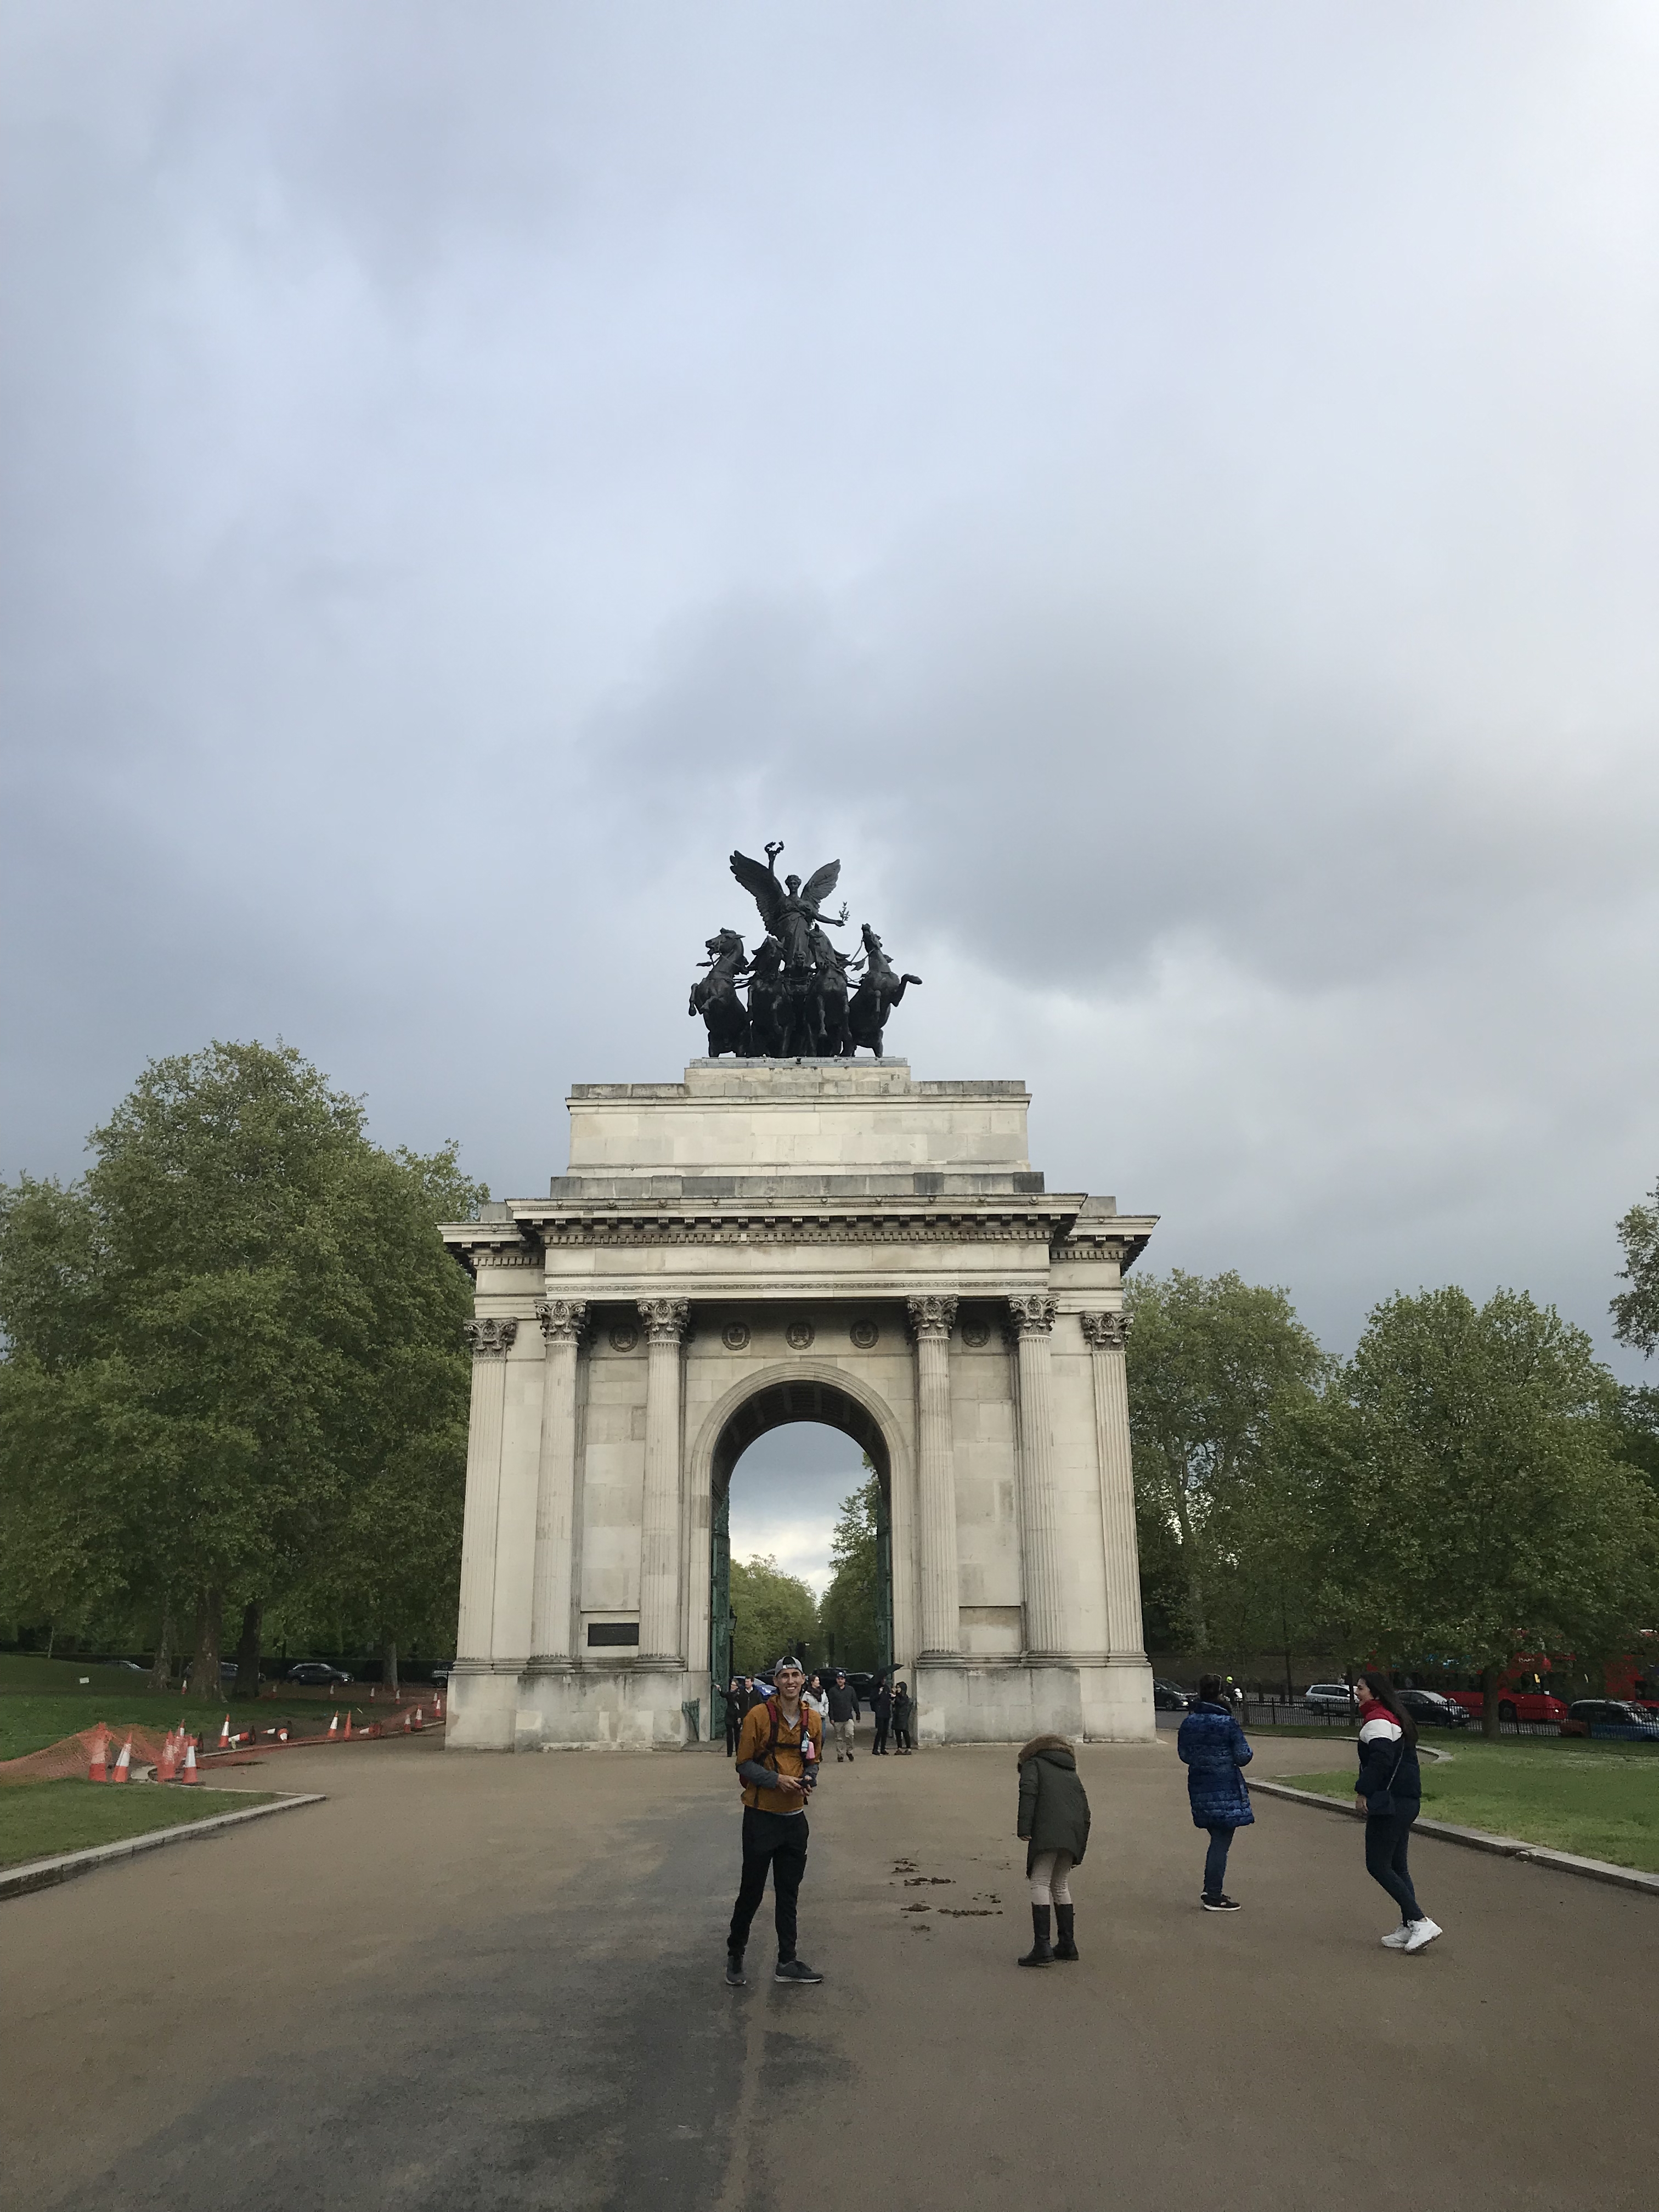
<point>714,996</point>
<point>878,992</point>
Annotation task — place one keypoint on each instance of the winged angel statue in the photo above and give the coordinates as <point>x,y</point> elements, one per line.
<point>798,1006</point>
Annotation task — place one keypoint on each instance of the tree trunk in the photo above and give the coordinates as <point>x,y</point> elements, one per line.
<point>1489,1703</point>
<point>247,1651</point>
<point>204,1683</point>
<point>160,1674</point>
<point>389,1663</point>
<point>52,1636</point>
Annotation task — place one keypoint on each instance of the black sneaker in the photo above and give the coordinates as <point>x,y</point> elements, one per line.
<point>1222,1904</point>
<point>734,1974</point>
<point>795,1970</point>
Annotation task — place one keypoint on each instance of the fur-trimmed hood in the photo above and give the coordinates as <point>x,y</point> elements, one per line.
<point>1057,1746</point>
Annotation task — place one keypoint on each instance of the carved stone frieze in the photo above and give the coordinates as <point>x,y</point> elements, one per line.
<point>665,1319</point>
<point>884,1228</point>
<point>931,1316</point>
<point>504,1255</point>
<point>490,1338</point>
<point>563,1320</point>
<point>1105,1332</point>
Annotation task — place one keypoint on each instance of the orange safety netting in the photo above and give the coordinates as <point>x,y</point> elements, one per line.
<point>57,1762</point>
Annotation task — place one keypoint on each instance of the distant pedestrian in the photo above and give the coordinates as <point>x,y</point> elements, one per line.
<point>736,1705</point>
<point>902,1718</point>
<point>881,1709</point>
<point>778,1758</point>
<point>1389,1793</point>
<point>1054,1826</point>
<point>843,1712</point>
<point>1212,1747</point>
<point>816,1696</point>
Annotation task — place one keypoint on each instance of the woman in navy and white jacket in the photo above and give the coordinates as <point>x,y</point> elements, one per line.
<point>1389,1793</point>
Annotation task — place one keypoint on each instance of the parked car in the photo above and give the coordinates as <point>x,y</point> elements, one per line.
<point>1169,1698</point>
<point>227,1672</point>
<point>128,1666</point>
<point>1430,1710</point>
<point>1331,1698</point>
<point>1616,1720</point>
<point>440,1673</point>
<point>316,1673</point>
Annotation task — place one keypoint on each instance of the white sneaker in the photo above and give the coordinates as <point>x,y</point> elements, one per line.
<point>1397,1938</point>
<point>1423,1932</point>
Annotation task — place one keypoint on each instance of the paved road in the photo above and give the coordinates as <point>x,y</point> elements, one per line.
<point>474,1981</point>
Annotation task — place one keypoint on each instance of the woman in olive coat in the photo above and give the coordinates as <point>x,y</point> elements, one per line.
<point>1054,1826</point>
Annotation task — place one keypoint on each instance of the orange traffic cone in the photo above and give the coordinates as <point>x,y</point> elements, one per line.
<point>124,1765</point>
<point>192,1772</point>
<point>224,1734</point>
<point>346,1738</point>
<point>406,1724</point>
<point>169,1765</point>
<point>420,1717</point>
<point>334,1726</point>
<point>282,1733</point>
<point>98,1756</point>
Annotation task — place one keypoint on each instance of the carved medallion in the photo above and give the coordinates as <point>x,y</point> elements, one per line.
<point>735,1336</point>
<point>798,1335</point>
<point>975,1334</point>
<point>866,1335</point>
<point>624,1337</point>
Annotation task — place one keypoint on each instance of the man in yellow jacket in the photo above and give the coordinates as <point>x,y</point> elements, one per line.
<point>779,1752</point>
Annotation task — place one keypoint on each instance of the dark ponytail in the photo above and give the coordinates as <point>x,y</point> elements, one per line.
<point>1383,1691</point>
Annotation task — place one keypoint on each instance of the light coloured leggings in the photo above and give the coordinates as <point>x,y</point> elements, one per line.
<point>1051,1878</point>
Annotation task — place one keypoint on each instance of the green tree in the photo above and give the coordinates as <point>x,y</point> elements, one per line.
<point>776,1613</point>
<point>1467,1493</point>
<point>1217,1368</point>
<point>232,1332</point>
<point>851,1611</point>
<point>1636,1311</point>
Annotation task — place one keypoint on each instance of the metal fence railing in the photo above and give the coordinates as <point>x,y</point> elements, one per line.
<point>1292,1712</point>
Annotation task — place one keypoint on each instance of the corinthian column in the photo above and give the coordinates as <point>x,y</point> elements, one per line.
<point>664,1323</point>
<point>562,1321</point>
<point>1030,1319</point>
<point>490,1340</point>
<point>1106,1334</point>
<point>930,1325</point>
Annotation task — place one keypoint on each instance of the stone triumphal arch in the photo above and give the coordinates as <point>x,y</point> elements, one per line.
<point>771,1241</point>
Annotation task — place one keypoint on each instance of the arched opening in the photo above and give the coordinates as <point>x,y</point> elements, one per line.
<point>774,1405</point>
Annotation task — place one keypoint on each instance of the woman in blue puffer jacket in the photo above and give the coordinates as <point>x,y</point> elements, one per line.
<point>1214,1753</point>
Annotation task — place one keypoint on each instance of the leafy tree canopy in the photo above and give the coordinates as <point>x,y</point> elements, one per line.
<point>1636,1311</point>
<point>234,1354</point>
<point>851,1611</point>
<point>776,1613</point>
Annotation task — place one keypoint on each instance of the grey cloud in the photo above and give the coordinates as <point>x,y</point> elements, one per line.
<point>1167,499</point>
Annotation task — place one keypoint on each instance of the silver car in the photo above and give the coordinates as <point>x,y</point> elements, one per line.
<point>1331,1698</point>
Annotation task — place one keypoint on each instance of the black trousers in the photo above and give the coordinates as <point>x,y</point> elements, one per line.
<point>733,1730</point>
<point>880,1744</point>
<point>902,1734</point>
<point>1386,1835</point>
<point>777,1840</point>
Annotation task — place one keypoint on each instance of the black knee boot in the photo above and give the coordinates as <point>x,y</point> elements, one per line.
<point>1065,1948</point>
<point>1041,1951</point>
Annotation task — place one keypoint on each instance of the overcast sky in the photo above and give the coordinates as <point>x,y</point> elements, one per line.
<point>1169,495</point>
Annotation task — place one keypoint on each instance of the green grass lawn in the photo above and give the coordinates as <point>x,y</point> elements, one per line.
<point>43,1700</point>
<point>38,1820</point>
<point>1600,1800</point>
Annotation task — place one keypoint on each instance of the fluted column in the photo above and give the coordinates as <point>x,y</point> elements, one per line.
<point>562,1321</point>
<point>931,1319</point>
<point>1031,1319</point>
<point>664,1323</point>
<point>491,1341</point>
<point>1106,1334</point>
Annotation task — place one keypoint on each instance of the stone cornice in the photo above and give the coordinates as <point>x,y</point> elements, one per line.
<point>622,1227</point>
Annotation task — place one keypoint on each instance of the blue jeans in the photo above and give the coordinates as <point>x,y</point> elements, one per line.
<point>1215,1861</point>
